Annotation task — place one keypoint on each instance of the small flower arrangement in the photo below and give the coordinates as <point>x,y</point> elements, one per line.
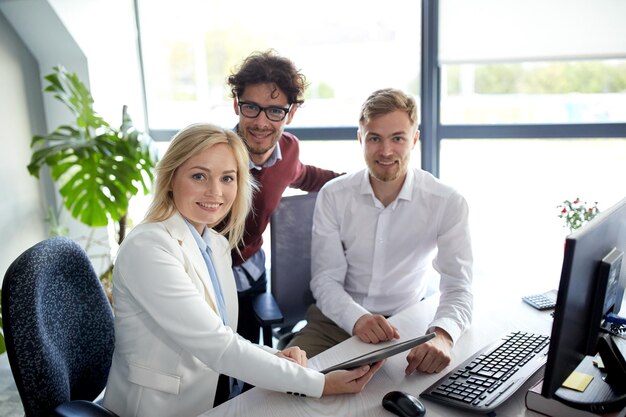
<point>577,212</point>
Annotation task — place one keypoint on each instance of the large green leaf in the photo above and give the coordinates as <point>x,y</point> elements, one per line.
<point>68,89</point>
<point>97,167</point>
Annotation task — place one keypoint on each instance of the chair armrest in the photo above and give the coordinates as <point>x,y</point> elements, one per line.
<point>81,408</point>
<point>266,310</point>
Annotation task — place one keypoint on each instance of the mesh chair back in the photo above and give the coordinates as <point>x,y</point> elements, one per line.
<point>58,326</point>
<point>290,233</point>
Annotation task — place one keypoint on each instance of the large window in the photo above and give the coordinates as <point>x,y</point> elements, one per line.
<point>532,62</point>
<point>529,105</point>
<point>345,49</point>
<point>546,92</point>
<point>531,114</point>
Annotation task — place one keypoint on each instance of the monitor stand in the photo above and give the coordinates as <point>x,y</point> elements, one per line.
<point>607,390</point>
<point>614,362</point>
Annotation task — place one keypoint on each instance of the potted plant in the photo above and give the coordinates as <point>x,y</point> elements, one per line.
<point>98,168</point>
<point>577,212</point>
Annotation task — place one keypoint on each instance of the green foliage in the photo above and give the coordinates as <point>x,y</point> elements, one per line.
<point>587,77</point>
<point>98,168</point>
<point>576,213</point>
<point>325,90</point>
<point>55,228</point>
<point>181,59</point>
<point>453,80</point>
<point>498,79</point>
<point>577,77</point>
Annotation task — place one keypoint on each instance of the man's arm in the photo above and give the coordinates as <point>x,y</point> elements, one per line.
<point>329,265</point>
<point>454,263</point>
<point>311,178</point>
<point>304,177</point>
<point>454,314</point>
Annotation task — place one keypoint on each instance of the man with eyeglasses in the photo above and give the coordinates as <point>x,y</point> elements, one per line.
<point>267,90</point>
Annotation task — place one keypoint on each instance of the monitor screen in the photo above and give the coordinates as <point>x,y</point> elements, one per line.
<point>579,307</point>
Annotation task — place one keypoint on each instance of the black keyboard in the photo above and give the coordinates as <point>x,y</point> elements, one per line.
<point>493,374</point>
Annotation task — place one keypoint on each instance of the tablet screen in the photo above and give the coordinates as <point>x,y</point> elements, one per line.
<point>380,354</point>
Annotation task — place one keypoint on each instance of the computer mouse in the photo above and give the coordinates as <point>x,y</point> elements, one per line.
<point>403,404</point>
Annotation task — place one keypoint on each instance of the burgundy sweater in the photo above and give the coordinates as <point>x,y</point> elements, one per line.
<point>272,181</point>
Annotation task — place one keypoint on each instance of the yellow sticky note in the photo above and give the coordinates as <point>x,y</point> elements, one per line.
<point>577,381</point>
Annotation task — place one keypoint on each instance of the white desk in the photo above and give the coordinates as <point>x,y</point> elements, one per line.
<point>491,320</point>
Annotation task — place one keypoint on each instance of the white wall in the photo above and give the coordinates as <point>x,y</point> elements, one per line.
<point>21,116</point>
<point>94,39</point>
<point>104,31</point>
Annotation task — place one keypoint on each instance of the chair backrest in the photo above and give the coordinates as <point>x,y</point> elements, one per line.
<point>290,234</point>
<point>58,326</point>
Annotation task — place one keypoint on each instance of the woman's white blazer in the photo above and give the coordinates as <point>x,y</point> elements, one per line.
<point>170,342</point>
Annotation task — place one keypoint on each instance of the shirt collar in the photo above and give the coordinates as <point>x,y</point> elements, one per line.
<point>202,241</point>
<point>276,156</point>
<point>406,192</point>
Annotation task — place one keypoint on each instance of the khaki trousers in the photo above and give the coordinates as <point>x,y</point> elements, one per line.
<point>319,334</point>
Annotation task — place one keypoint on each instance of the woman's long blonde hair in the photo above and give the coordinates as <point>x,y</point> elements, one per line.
<point>188,142</point>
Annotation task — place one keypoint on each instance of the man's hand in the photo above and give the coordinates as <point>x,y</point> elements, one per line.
<point>374,328</point>
<point>293,354</point>
<point>431,356</point>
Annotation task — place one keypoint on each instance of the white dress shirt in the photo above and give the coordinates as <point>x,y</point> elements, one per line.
<point>368,258</point>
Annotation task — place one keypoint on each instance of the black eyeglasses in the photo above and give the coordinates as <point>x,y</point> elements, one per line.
<point>252,110</point>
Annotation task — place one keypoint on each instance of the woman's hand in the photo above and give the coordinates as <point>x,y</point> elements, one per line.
<point>293,354</point>
<point>349,382</point>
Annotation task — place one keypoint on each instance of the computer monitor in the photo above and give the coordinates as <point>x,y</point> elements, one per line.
<point>589,289</point>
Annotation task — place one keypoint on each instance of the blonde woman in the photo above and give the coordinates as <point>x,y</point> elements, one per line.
<point>175,298</point>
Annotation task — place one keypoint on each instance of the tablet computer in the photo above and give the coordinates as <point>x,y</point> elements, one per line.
<point>379,354</point>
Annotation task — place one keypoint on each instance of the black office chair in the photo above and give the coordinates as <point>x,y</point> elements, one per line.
<point>58,328</point>
<point>290,239</point>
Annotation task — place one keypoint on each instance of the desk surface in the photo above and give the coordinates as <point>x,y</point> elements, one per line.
<point>496,313</point>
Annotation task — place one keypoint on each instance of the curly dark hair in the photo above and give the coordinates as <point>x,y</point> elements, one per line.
<point>269,67</point>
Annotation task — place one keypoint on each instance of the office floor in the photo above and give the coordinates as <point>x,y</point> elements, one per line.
<point>10,405</point>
